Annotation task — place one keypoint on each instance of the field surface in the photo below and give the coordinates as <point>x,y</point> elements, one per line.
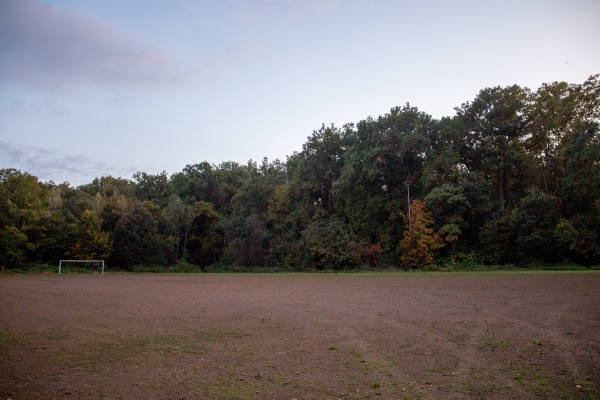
<point>313,336</point>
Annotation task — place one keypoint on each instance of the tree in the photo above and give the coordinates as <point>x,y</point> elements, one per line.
<point>176,216</point>
<point>205,243</point>
<point>558,112</point>
<point>113,209</point>
<point>156,188</point>
<point>109,186</point>
<point>231,176</point>
<point>328,243</point>
<point>380,156</point>
<point>513,177</point>
<point>494,126</point>
<point>247,237</point>
<point>246,241</point>
<point>419,241</point>
<point>535,221</point>
<point>136,239</point>
<point>579,191</point>
<point>90,243</point>
<point>197,182</point>
<point>24,210</point>
<point>318,167</point>
<point>449,204</point>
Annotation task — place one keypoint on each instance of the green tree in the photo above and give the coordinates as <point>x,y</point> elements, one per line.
<point>109,186</point>
<point>246,240</point>
<point>155,188</point>
<point>176,216</point>
<point>494,127</point>
<point>579,191</point>
<point>231,176</point>
<point>205,243</point>
<point>327,243</point>
<point>316,169</point>
<point>535,221</point>
<point>197,182</point>
<point>247,234</point>
<point>449,204</point>
<point>24,208</point>
<point>381,156</point>
<point>113,209</point>
<point>559,111</point>
<point>136,240</point>
<point>90,243</point>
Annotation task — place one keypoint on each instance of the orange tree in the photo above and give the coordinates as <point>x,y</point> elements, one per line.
<point>419,240</point>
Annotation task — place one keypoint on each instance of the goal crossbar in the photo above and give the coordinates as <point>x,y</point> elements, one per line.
<point>81,261</point>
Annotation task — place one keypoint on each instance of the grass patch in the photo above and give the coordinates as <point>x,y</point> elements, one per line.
<point>496,343</point>
<point>8,339</point>
<point>100,352</point>
<point>233,390</point>
<point>162,345</point>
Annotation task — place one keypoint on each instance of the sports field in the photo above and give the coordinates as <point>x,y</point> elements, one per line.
<point>300,336</point>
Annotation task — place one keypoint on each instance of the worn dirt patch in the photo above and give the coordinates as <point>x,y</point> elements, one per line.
<point>314,336</point>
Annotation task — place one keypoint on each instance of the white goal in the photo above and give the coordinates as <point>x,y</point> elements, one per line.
<point>81,261</point>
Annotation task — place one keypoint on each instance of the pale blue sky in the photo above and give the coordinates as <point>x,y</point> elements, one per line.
<point>95,87</point>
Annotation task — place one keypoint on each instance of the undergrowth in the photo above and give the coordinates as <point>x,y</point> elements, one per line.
<point>456,264</point>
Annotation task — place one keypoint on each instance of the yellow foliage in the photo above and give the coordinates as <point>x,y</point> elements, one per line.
<point>279,206</point>
<point>420,241</point>
<point>91,243</point>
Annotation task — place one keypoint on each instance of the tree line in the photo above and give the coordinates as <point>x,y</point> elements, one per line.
<point>512,177</point>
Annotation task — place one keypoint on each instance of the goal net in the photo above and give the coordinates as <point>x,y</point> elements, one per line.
<point>60,264</point>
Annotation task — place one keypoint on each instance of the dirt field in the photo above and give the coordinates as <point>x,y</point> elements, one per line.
<point>318,336</point>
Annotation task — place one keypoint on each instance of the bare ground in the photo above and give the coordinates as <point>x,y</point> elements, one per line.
<point>314,336</point>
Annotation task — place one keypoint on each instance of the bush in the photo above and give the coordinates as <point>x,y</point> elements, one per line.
<point>184,267</point>
<point>141,268</point>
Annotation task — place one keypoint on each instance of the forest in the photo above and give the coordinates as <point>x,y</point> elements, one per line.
<point>513,177</point>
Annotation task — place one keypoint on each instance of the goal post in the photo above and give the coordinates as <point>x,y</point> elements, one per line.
<point>81,261</point>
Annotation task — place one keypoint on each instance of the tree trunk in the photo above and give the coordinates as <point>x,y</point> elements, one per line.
<point>177,242</point>
<point>184,244</point>
<point>501,190</point>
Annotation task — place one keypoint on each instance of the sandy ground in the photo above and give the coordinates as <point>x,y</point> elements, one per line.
<point>313,336</point>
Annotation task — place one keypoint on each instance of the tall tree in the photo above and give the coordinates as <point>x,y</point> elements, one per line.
<point>24,210</point>
<point>381,157</point>
<point>419,240</point>
<point>136,239</point>
<point>318,167</point>
<point>197,182</point>
<point>155,188</point>
<point>175,215</point>
<point>205,243</point>
<point>89,242</point>
<point>495,125</point>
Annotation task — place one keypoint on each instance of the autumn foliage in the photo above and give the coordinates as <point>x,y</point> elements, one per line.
<point>511,178</point>
<point>419,240</point>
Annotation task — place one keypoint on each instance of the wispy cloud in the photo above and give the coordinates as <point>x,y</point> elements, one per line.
<point>57,50</point>
<point>56,166</point>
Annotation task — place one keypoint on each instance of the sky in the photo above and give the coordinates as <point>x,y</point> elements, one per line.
<point>105,87</point>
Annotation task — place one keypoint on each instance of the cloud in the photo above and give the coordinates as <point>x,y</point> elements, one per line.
<point>57,50</point>
<point>56,166</point>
